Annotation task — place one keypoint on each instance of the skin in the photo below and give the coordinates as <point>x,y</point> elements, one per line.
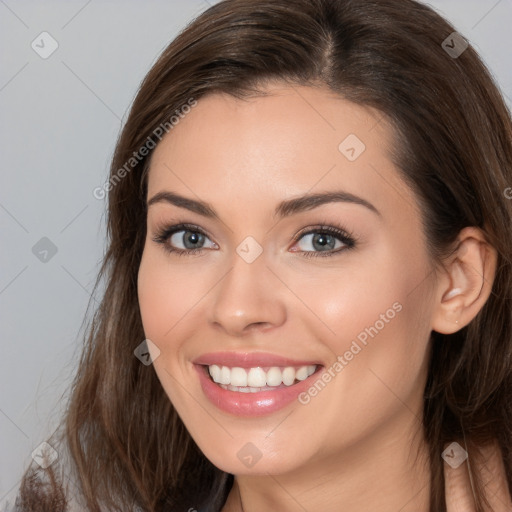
<point>358,444</point>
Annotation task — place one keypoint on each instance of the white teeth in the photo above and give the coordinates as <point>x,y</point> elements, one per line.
<point>246,389</point>
<point>274,376</point>
<point>257,378</point>
<point>302,373</point>
<point>252,380</point>
<point>225,375</point>
<point>288,376</point>
<point>215,372</point>
<point>238,377</point>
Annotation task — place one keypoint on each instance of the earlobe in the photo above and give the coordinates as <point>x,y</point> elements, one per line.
<point>466,282</point>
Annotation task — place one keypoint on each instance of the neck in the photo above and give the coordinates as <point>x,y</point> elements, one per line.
<point>388,471</point>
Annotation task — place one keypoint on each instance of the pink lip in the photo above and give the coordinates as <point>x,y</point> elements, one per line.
<point>248,360</point>
<point>250,404</point>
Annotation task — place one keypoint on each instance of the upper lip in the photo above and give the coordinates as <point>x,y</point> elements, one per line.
<point>249,360</point>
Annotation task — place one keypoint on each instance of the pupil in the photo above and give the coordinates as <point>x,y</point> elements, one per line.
<point>193,238</point>
<point>324,240</point>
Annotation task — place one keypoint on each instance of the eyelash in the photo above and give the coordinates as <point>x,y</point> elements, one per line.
<point>347,238</point>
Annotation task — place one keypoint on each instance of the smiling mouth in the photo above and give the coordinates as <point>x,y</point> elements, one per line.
<point>258,379</point>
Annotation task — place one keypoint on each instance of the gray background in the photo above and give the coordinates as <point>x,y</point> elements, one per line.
<point>60,118</point>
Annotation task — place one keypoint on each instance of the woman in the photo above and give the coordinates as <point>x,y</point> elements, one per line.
<point>308,275</point>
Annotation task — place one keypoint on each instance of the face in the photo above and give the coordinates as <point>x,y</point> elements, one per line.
<point>313,315</point>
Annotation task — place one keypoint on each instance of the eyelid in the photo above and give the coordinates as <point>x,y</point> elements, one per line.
<point>167,230</point>
<point>343,235</point>
<point>324,227</point>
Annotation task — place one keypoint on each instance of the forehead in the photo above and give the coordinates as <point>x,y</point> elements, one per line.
<point>291,141</point>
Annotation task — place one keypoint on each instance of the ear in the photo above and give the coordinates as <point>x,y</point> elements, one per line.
<point>465,283</point>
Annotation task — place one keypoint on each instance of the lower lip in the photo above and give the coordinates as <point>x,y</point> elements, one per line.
<point>251,404</point>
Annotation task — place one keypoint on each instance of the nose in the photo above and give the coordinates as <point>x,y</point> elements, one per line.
<point>248,298</point>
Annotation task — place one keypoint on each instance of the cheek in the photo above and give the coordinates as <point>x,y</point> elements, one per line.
<point>378,367</point>
<point>165,295</point>
<point>154,299</point>
<point>379,318</point>
<point>355,303</point>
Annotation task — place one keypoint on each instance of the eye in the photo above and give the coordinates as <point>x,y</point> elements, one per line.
<point>324,241</point>
<point>187,239</point>
<point>183,239</point>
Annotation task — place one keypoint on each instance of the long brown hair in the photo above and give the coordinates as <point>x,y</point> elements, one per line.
<point>127,445</point>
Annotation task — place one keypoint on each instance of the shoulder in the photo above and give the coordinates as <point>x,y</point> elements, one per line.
<point>488,463</point>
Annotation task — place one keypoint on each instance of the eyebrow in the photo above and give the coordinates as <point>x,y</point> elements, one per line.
<point>284,209</point>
